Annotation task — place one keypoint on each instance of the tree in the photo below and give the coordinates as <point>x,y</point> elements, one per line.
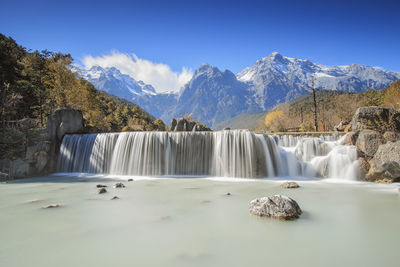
<point>392,95</point>
<point>276,121</point>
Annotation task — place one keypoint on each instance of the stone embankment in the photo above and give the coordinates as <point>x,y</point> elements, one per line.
<point>375,131</point>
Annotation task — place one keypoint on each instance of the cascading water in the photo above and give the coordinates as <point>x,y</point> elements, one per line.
<point>223,153</point>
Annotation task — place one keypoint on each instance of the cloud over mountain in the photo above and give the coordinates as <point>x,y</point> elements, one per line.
<point>157,74</point>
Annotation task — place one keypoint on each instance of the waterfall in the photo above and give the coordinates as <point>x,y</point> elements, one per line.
<point>223,153</point>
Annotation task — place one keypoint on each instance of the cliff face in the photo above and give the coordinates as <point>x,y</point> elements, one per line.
<point>376,134</point>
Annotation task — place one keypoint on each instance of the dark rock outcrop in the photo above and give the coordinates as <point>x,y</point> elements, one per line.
<point>278,206</point>
<point>64,121</point>
<point>187,125</point>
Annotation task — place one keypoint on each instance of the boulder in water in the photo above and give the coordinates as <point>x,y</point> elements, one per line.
<point>119,185</point>
<point>130,180</point>
<point>278,206</point>
<point>114,197</point>
<point>51,206</point>
<point>101,185</point>
<point>102,190</point>
<point>290,185</point>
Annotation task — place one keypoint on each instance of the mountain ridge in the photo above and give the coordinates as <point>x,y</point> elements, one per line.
<point>213,95</point>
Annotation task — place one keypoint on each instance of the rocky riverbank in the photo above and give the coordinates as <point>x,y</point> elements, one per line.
<point>375,131</point>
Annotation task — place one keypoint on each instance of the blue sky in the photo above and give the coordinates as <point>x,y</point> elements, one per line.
<point>228,34</point>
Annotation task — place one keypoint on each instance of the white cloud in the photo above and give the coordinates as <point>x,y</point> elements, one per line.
<point>159,75</point>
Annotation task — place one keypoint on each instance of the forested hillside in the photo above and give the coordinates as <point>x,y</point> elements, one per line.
<point>33,84</point>
<point>332,107</point>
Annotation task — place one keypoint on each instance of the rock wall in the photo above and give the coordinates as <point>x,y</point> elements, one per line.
<point>41,153</point>
<point>375,133</point>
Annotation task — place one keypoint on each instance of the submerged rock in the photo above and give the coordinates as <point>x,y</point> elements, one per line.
<point>119,185</point>
<point>114,197</point>
<point>290,185</point>
<point>278,206</point>
<point>102,190</point>
<point>52,206</point>
<point>101,185</point>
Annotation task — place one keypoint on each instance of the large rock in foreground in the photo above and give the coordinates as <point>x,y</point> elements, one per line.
<point>385,165</point>
<point>278,206</point>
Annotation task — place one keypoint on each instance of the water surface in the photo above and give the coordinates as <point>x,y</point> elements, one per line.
<point>192,221</point>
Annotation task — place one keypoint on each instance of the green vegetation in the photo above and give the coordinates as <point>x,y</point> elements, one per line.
<point>34,84</point>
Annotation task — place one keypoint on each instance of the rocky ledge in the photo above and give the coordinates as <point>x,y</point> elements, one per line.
<point>278,206</point>
<point>375,131</point>
<point>182,125</point>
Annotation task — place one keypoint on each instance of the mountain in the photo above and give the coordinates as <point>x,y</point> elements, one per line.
<point>277,79</point>
<point>213,95</point>
<point>112,81</point>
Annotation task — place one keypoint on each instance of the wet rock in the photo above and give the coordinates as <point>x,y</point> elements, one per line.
<point>119,185</point>
<point>101,185</point>
<point>51,206</point>
<point>130,180</point>
<point>114,197</point>
<point>19,168</point>
<point>290,185</point>
<point>386,163</point>
<point>351,138</point>
<point>228,194</point>
<point>3,176</point>
<point>368,142</point>
<point>278,206</point>
<point>102,190</point>
<point>364,166</point>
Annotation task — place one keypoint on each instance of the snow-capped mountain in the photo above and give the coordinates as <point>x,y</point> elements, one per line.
<point>212,95</point>
<point>112,81</point>
<point>276,78</point>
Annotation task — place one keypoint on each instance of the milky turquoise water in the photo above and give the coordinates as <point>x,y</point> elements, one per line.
<point>192,222</point>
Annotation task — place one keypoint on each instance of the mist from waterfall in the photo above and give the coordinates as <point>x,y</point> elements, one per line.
<point>223,154</point>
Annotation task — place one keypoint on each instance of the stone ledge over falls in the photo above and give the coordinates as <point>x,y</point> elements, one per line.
<point>375,131</point>
<point>63,121</point>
